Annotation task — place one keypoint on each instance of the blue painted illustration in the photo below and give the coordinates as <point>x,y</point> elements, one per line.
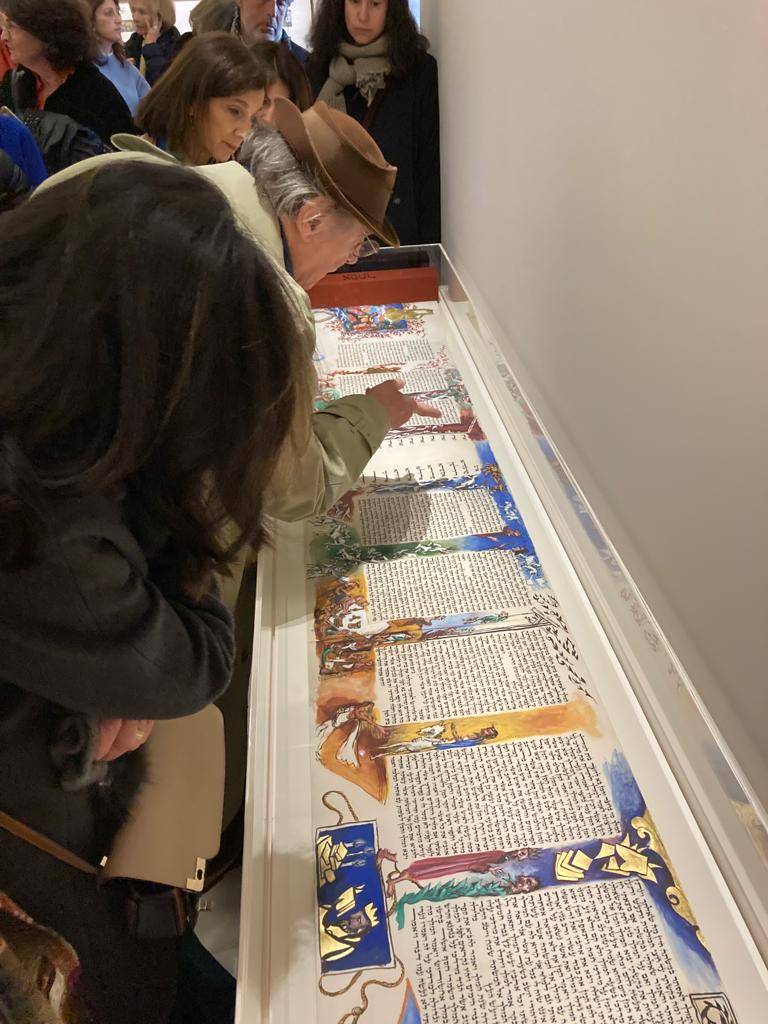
<point>352,914</point>
<point>392,318</point>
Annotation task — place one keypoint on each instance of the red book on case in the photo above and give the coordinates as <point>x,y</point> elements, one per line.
<point>376,287</point>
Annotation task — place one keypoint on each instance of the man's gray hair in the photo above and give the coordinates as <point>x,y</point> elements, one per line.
<point>284,181</point>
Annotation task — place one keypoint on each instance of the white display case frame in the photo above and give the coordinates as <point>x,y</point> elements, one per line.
<point>684,769</point>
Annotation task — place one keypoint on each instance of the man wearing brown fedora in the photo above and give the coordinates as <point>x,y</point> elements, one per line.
<point>315,199</point>
<point>325,186</point>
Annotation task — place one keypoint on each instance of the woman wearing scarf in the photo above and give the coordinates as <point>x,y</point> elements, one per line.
<point>369,60</point>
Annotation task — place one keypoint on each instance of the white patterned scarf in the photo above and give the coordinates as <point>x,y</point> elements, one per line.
<point>365,67</point>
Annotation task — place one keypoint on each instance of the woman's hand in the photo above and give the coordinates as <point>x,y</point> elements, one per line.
<point>400,407</point>
<point>118,736</point>
<point>154,30</point>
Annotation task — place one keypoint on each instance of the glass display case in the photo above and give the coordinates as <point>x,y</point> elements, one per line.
<point>481,786</point>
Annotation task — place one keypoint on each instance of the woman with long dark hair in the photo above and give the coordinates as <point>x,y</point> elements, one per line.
<point>369,59</point>
<point>132,428</point>
<point>203,107</point>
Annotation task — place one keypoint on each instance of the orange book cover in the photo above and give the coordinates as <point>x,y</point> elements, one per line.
<point>376,287</point>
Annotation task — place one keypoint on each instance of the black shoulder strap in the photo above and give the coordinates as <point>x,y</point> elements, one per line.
<point>22,90</point>
<point>16,89</point>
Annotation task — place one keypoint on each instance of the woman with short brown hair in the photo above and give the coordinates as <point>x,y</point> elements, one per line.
<point>204,105</point>
<point>287,78</point>
<point>53,46</point>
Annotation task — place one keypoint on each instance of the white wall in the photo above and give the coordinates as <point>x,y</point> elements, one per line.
<point>605,174</point>
<point>301,20</point>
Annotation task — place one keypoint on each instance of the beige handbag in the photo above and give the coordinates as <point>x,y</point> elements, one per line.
<point>175,822</point>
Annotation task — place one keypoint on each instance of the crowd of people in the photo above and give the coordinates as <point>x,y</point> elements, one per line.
<point>165,203</point>
<point>367,60</point>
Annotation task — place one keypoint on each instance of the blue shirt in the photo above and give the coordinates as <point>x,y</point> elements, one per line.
<point>19,143</point>
<point>126,78</point>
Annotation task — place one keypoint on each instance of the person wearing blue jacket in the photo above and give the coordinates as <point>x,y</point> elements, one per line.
<point>17,142</point>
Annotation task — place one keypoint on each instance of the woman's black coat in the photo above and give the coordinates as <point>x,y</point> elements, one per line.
<point>86,96</point>
<point>405,122</point>
<point>98,626</point>
<point>157,56</point>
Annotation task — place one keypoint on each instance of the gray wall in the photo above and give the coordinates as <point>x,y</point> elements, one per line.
<point>605,174</point>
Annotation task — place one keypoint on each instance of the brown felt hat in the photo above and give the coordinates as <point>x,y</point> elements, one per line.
<point>349,162</point>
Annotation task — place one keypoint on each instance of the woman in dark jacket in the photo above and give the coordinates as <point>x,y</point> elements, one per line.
<point>131,429</point>
<point>153,45</point>
<point>52,43</point>
<point>369,60</point>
